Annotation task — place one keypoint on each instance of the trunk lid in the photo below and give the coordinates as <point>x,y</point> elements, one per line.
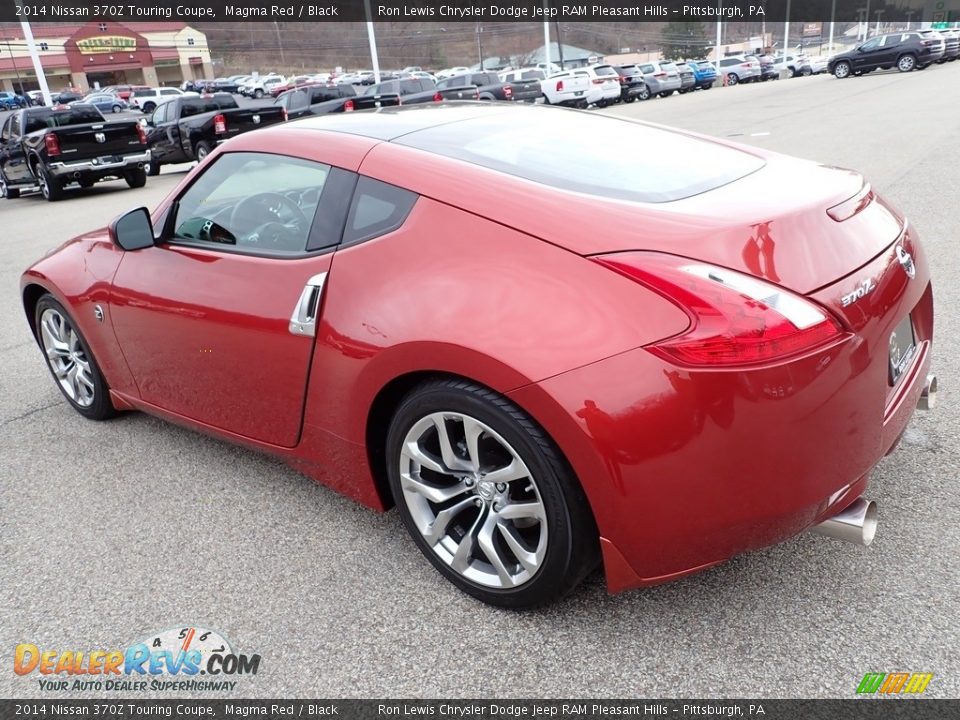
<point>241,120</point>
<point>84,142</point>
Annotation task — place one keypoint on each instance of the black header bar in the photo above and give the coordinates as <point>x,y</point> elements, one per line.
<point>197,12</point>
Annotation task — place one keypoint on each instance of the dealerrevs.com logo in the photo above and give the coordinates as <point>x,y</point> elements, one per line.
<point>181,659</point>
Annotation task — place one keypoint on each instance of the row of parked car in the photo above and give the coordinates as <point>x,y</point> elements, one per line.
<point>906,51</point>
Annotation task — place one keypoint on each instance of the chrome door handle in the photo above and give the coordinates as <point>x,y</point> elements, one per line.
<point>304,318</point>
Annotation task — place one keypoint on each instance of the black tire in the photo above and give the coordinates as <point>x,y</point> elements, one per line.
<point>101,408</point>
<point>572,547</point>
<point>842,70</point>
<point>630,98</point>
<point>806,72</point>
<point>86,183</point>
<point>117,109</point>
<point>201,150</point>
<point>666,93</point>
<point>6,191</point>
<point>707,86</point>
<point>644,93</point>
<point>906,63</point>
<point>258,93</point>
<point>51,187</point>
<point>732,78</point>
<point>153,168</point>
<point>546,100</point>
<point>149,107</point>
<point>136,178</point>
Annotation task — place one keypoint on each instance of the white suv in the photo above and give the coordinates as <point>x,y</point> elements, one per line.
<point>607,79</point>
<point>146,100</point>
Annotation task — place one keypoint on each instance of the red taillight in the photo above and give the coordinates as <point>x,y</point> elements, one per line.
<point>660,74</point>
<point>220,124</point>
<point>508,92</point>
<point>437,97</point>
<point>348,106</point>
<point>735,319</point>
<point>52,143</point>
<point>623,80</point>
<point>598,81</point>
<point>142,133</point>
<point>559,85</point>
<point>746,65</point>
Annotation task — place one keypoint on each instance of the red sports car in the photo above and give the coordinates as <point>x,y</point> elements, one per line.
<point>551,338</point>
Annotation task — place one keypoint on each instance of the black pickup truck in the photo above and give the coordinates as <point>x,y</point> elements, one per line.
<point>490,87</point>
<point>49,148</point>
<point>317,100</point>
<point>188,127</point>
<point>411,91</point>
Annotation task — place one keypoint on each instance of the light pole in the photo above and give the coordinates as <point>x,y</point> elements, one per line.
<point>480,44</point>
<point>279,42</point>
<point>876,30</point>
<point>909,15</point>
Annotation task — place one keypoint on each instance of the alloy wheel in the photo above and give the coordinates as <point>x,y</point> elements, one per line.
<point>67,358</point>
<point>906,63</point>
<point>472,498</point>
<point>841,70</point>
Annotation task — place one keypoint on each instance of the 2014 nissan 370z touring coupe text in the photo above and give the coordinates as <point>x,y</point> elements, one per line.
<point>547,351</point>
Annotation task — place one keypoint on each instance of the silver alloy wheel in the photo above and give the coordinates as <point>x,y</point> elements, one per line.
<point>473,499</point>
<point>67,358</point>
<point>44,183</point>
<point>906,63</point>
<point>201,153</point>
<point>841,70</point>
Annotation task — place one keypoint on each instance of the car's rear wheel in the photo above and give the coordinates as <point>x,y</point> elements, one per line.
<point>136,178</point>
<point>841,70</point>
<point>487,496</point>
<point>732,79</point>
<point>906,63</point>
<point>630,98</point>
<point>201,150</point>
<point>70,361</point>
<point>149,107</point>
<point>153,168</point>
<point>666,93</point>
<point>117,108</point>
<point>50,186</point>
<point>644,93</point>
<point>707,86</point>
<point>258,93</point>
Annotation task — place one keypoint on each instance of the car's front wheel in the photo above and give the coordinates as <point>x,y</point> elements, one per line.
<point>732,78</point>
<point>487,496</point>
<point>644,93</point>
<point>70,361</point>
<point>117,109</point>
<point>906,63</point>
<point>841,70</point>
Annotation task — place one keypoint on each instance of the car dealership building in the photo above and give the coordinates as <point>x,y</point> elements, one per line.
<point>86,55</point>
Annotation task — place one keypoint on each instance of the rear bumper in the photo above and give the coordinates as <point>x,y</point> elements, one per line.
<point>685,469</point>
<point>60,169</point>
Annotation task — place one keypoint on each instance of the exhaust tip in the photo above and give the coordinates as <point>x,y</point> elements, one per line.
<point>855,524</point>
<point>928,396</point>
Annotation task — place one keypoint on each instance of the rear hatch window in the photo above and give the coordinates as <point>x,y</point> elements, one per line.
<point>647,164</point>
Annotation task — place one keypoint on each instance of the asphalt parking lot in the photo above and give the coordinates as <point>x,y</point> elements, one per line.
<point>110,532</point>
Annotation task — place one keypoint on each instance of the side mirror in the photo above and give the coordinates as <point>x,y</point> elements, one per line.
<point>133,230</point>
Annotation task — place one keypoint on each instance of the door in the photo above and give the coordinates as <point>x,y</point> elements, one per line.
<point>12,158</point>
<point>216,320</point>
<point>868,55</point>
<point>889,48</point>
<point>164,135</point>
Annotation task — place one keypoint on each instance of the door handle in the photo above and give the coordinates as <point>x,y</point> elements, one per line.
<point>304,318</point>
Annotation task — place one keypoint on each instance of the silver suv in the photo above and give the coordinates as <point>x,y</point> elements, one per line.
<point>662,78</point>
<point>739,68</point>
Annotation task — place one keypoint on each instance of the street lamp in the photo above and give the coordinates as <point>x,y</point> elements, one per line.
<point>876,30</point>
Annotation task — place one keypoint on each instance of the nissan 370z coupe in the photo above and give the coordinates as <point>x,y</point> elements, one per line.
<point>549,352</point>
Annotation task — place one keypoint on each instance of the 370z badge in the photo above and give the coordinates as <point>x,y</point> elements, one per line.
<point>864,288</point>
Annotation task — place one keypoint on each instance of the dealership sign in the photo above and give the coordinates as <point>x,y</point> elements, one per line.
<point>106,44</point>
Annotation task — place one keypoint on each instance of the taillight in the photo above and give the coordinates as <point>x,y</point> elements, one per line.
<point>660,74</point>
<point>559,85</point>
<point>142,133</point>
<point>52,143</point>
<point>623,80</point>
<point>437,97</point>
<point>735,319</point>
<point>220,124</point>
<point>348,106</point>
<point>598,81</point>
<point>508,92</point>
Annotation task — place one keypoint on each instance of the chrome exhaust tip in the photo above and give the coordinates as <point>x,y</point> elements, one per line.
<point>856,524</point>
<point>928,396</point>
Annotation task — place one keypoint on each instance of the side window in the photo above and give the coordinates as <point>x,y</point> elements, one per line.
<point>160,114</point>
<point>5,134</point>
<point>15,125</point>
<point>296,100</point>
<point>169,91</point>
<point>872,44</point>
<point>254,202</point>
<point>377,209</point>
